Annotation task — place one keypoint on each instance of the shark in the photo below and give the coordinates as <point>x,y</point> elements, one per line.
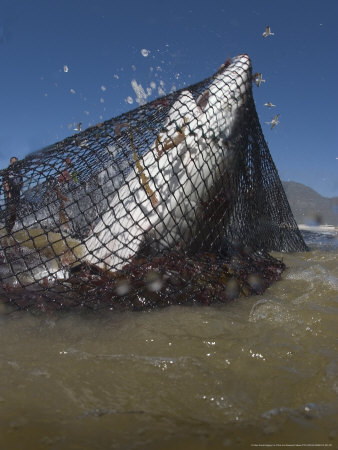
<point>158,206</point>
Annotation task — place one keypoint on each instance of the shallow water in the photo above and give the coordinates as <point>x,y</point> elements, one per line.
<point>259,370</point>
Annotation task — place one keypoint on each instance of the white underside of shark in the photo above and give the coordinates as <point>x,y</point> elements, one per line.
<point>161,194</point>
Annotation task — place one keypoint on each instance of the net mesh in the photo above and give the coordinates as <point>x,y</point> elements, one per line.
<point>177,201</point>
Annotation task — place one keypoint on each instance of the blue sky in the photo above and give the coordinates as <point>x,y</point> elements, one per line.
<point>101,42</point>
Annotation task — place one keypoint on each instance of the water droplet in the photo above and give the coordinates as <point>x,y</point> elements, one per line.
<point>255,282</point>
<point>153,281</point>
<point>145,52</point>
<point>122,287</point>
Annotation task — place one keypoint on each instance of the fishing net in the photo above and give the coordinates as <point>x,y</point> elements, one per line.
<point>177,201</point>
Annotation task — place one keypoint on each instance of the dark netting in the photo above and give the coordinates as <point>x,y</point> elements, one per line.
<point>177,201</point>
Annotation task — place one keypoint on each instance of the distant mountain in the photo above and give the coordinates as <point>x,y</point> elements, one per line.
<point>309,207</point>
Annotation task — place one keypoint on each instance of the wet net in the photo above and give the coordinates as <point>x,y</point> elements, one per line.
<point>177,201</point>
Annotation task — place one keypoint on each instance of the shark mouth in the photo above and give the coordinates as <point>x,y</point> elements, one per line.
<point>182,178</point>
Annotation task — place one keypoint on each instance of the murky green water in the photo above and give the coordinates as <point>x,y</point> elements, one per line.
<point>259,370</point>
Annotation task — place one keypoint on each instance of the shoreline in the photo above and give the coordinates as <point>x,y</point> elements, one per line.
<point>327,229</point>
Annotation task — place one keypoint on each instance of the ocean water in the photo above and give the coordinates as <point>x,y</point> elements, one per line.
<point>257,371</point>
